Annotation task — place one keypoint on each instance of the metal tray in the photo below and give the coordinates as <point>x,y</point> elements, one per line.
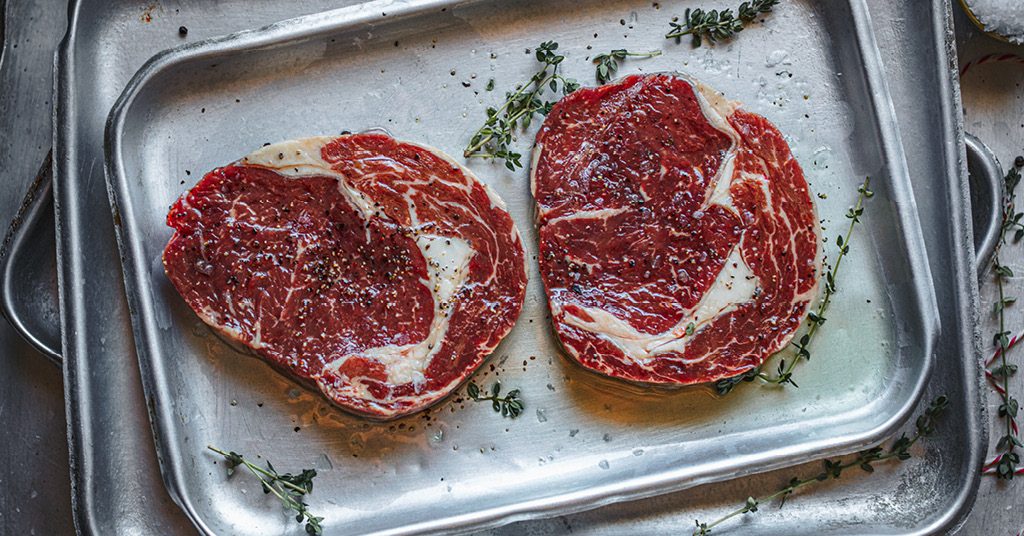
<point>117,487</point>
<point>604,443</point>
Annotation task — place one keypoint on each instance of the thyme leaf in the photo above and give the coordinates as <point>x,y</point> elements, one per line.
<point>816,318</point>
<point>717,25</point>
<point>510,405</point>
<point>495,139</point>
<point>288,488</point>
<point>898,449</point>
<point>608,62</point>
<point>1008,458</point>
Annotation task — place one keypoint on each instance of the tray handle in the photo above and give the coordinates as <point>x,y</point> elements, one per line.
<point>985,177</point>
<point>28,268</point>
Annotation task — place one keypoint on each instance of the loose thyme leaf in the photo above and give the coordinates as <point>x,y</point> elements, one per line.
<point>717,25</point>
<point>288,488</point>
<point>494,139</point>
<point>608,63</point>
<point>1007,458</point>
<point>510,405</point>
<point>833,469</point>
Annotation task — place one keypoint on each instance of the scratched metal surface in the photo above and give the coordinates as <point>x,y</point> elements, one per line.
<point>121,511</point>
<point>350,68</point>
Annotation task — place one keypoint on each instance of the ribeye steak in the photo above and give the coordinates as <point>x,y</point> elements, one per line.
<point>678,239</point>
<point>381,272</point>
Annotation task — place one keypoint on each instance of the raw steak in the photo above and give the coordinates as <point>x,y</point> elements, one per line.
<point>379,271</point>
<point>678,239</point>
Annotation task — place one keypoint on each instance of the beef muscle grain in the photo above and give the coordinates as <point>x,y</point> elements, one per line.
<point>678,239</point>
<point>378,271</point>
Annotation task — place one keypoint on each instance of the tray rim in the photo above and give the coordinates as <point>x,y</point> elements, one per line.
<point>332,21</point>
<point>955,153</point>
<point>67,266</point>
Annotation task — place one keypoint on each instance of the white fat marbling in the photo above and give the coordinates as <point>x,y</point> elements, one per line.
<point>735,285</point>
<point>447,257</point>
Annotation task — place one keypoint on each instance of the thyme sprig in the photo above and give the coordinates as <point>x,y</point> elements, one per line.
<point>832,469</point>
<point>608,62</point>
<point>1007,458</point>
<point>510,405</point>
<point>717,25</point>
<point>495,138</point>
<point>816,318</point>
<point>288,488</point>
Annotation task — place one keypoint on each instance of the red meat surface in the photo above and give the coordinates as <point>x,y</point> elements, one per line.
<point>321,262</point>
<point>678,238</point>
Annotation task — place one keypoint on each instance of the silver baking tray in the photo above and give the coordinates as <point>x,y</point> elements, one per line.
<point>116,485</point>
<point>418,68</point>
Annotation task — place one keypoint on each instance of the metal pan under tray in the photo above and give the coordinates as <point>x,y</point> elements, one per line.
<point>419,69</point>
